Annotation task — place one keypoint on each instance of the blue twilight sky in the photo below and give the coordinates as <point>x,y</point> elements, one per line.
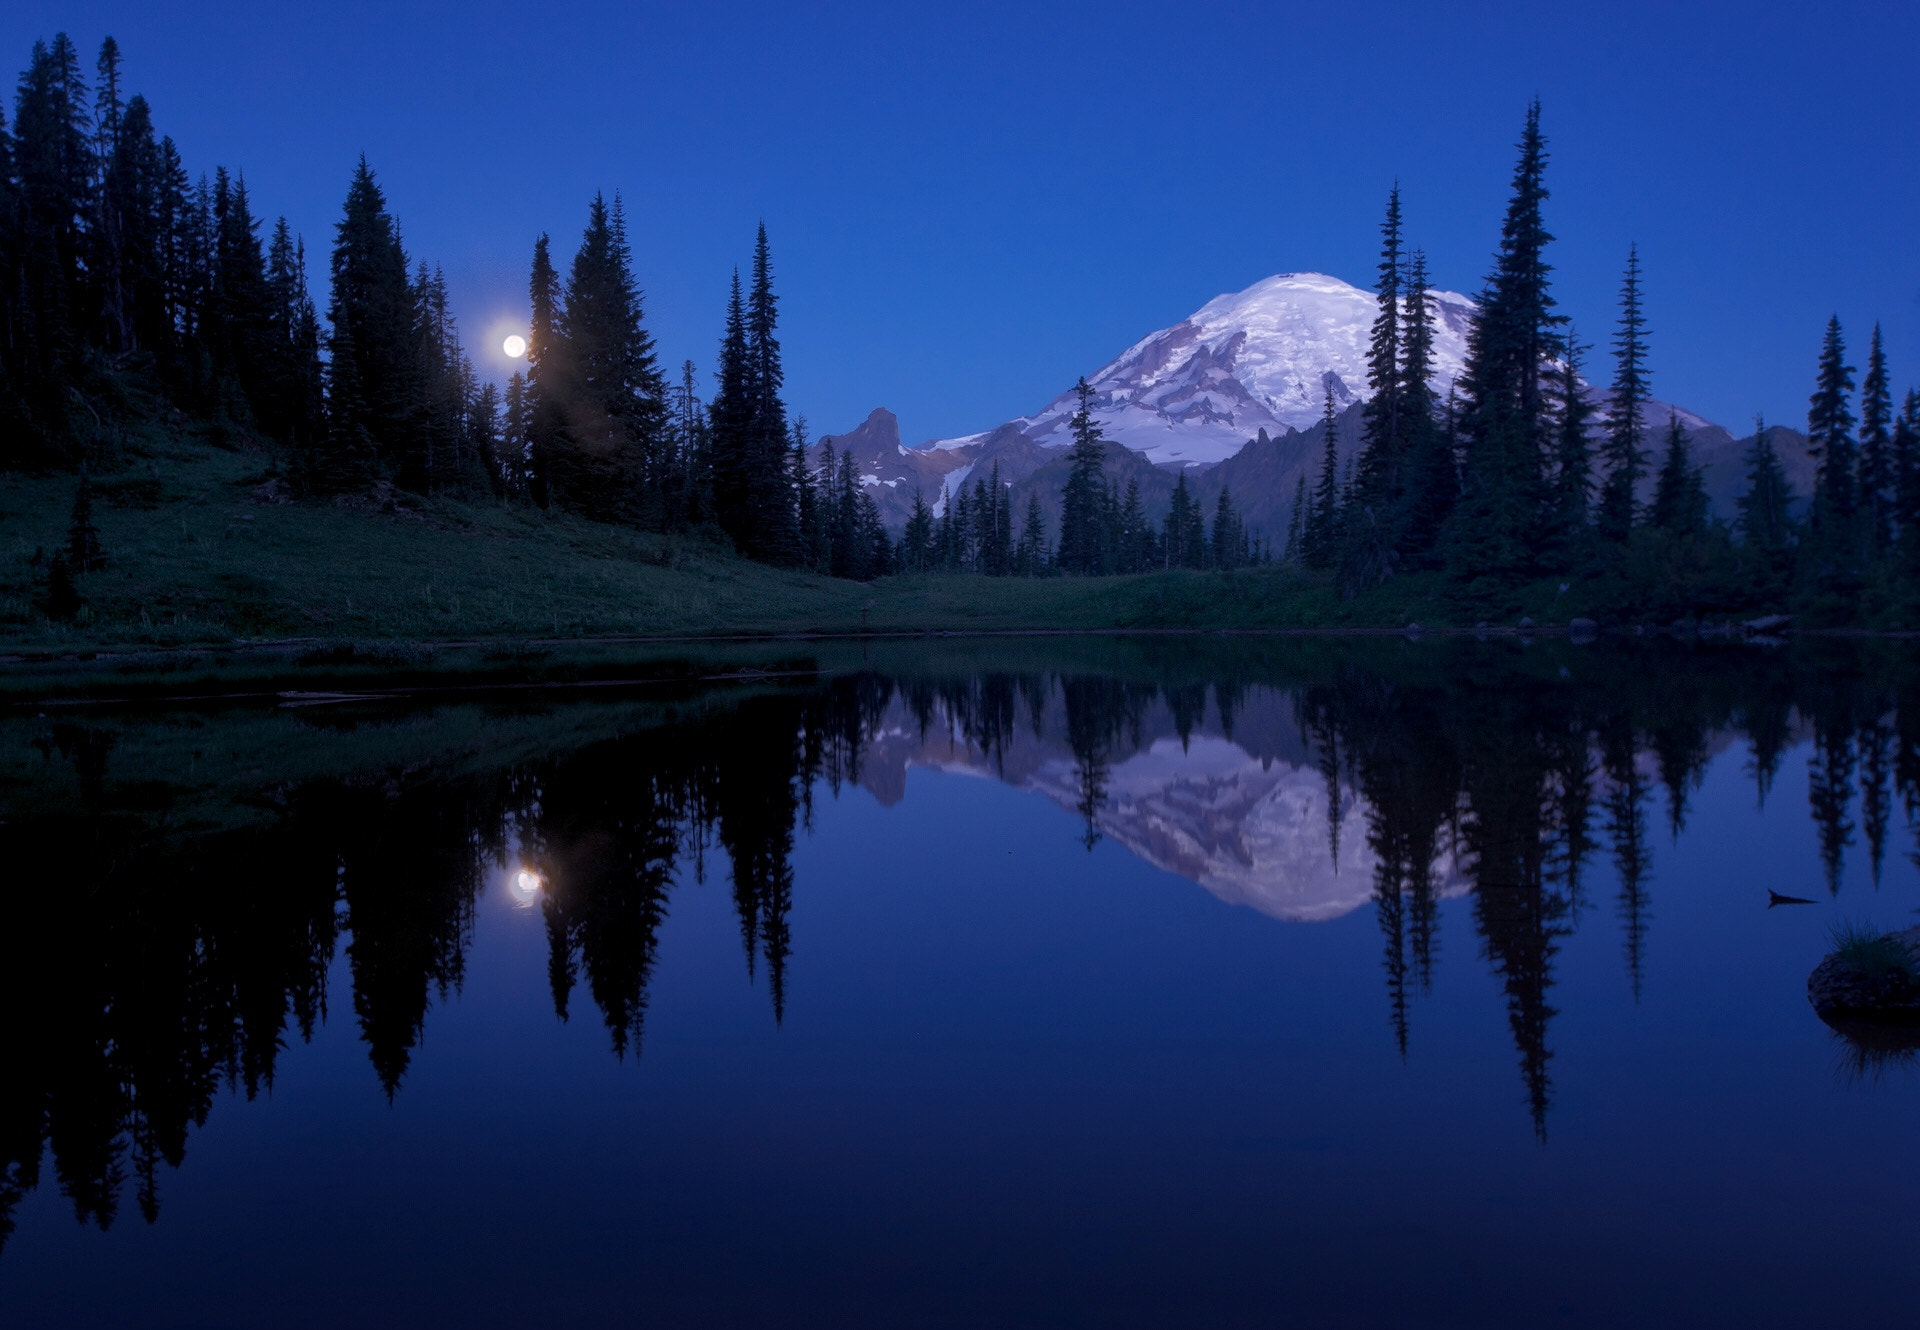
<point>968,211</point>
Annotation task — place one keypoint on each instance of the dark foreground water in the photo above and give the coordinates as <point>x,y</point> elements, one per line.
<point>1127,983</point>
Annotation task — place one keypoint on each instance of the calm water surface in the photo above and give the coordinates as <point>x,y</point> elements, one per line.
<point>1128,983</point>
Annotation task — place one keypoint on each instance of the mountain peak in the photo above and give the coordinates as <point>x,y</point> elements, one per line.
<point>879,432</point>
<point>1261,358</point>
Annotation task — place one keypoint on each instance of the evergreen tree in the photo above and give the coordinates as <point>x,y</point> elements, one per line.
<point>1228,541</point>
<point>1322,537</point>
<point>292,404</point>
<point>1135,535</point>
<point>52,160</point>
<point>486,443</point>
<point>343,459</point>
<point>1005,540</point>
<point>1433,478</point>
<point>1297,523</point>
<point>1833,527</point>
<point>1382,439</point>
<point>916,542</point>
<point>239,332</point>
<point>1906,474</point>
<point>138,195</point>
<point>1765,521</point>
<point>610,458</point>
<point>730,420</point>
<point>809,515</point>
<point>1680,496</point>
<point>435,453</point>
<point>108,225</point>
<point>371,312</point>
<point>1625,450</point>
<point>136,221</point>
<point>1082,544</point>
<point>1571,489</point>
<point>1876,451</point>
<point>993,513</point>
<point>772,536</point>
<point>842,515</point>
<point>1506,424</point>
<point>547,375</point>
<point>690,490</point>
<point>1031,558</point>
<point>876,551</point>
<point>514,423</point>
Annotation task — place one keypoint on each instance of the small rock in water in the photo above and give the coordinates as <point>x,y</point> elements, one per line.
<point>1842,988</point>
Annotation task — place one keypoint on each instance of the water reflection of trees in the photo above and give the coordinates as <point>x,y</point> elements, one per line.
<point>1502,772</point>
<point>163,962</point>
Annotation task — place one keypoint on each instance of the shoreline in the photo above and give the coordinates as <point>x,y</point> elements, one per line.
<point>320,670</point>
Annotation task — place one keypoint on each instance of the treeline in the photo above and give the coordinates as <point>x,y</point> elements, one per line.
<point>126,279</point>
<point>1104,531</point>
<point>1524,472</point>
<point>133,288</point>
<point>134,294</point>
<point>133,291</point>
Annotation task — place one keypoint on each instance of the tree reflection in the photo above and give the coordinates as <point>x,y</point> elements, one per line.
<point>175,953</point>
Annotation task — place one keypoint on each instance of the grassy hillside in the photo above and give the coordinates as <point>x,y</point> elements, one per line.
<point>197,554</point>
<point>203,552</point>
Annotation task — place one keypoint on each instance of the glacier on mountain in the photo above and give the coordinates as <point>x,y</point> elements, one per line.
<point>1259,359</point>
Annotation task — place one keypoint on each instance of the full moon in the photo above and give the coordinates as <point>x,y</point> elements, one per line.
<point>524,886</point>
<point>515,346</point>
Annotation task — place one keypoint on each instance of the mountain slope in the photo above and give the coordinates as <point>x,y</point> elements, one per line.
<point>1262,358</point>
<point>1234,394</point>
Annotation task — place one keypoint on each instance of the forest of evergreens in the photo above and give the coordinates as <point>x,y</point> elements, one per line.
<point>141,301</point>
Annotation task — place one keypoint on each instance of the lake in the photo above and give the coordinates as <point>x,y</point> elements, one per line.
<point>1159,981</point>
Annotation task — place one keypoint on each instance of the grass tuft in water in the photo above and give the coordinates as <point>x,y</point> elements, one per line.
<point>1874,953</point>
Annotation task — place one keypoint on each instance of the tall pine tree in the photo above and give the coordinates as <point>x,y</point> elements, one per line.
<point>548,376</point>
<point>1833,527</point>
<point>773,535</point>
<point>1082,539</point>
<point>1506,424</point>
<point>1382,440</point>
<point>1876,451</point>
<point>1625,452</point>
<point>730,420</point>
<point>372,353</point>
<point>609,464</point>
<point>1320,542</point>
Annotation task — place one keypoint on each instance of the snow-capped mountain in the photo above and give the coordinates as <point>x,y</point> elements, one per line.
<point>1235,393</point>
<point>1258,359</point>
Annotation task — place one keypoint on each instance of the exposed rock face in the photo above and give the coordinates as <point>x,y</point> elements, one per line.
<point>1843,991</point>
<point>889,472</point>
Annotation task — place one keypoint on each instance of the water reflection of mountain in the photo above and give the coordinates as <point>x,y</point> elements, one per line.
<point>1249,817</point>
<point>194,876</point>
